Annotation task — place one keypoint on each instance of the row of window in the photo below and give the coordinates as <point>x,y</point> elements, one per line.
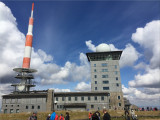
<point>107,82</point>
<point>106,70</point>
<point>12,106</point>
<point>11,110</point>
<point>32,107</point>
<point>82,98</point>
<point>104,76</point>
<point>105,65</point>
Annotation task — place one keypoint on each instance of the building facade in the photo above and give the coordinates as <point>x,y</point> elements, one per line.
<point>81,100</point>
<point>28,102</point>
<point>105,76</point>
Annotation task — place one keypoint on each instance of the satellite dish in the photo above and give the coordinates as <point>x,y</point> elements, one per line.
<point>21,87</point>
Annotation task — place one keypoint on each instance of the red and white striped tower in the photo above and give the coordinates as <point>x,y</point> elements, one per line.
<point>24,73</point>
<point>28,45</point>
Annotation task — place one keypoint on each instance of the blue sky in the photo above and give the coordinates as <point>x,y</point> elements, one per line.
<point>62,28</point>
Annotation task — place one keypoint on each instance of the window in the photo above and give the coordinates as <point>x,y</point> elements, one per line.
<point>108,94</point>
<point>11,110</point>
<point>94,65</point>
<point>26,107</point>
<point>109,100</point>
<point>17,110</point>
<point>5,110</point>
<point>115,66</point>
<point>95,70</point>
<point>57,106</point>
<point>95,76</point>
<point>6,105</point>
<point>32,107</point>
<point>95,82</point>
<point>105,88</point>
<point>119,97</point>
<point>82,98</point>
<point>116,78</point>
<point>56,98</point>
<point>119,104</point>
<point>38,107</point>
<point>102,97</point>
<point>17,105</point>
<point>92,106</point>
<point>104,76</point>
<point>104,64</point>
<point>117,85</point>
<point>63,98</point>
<point>95,98</point>
<point>105,82</point>
<point>11,105</point>
<point>69,98</point>
<point>89,98</point>
<point>75,98</point>
<point>116,72</point>
<point>104,70</point>
<point>95,88</point>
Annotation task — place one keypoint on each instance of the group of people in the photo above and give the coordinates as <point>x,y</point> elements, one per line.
<point>96,115</point>
<point>133,115</point>
<point>54,116</point>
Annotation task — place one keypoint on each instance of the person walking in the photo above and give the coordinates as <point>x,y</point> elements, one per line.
<point>67,116</point>
<point>61,117</point>
<point>54,116</point>
<point>106,115</point>
<point>33,117</point>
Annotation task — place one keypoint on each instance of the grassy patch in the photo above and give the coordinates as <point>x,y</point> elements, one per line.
<point>116,115</point>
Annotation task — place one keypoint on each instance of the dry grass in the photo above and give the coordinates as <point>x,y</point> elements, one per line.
<point>80,115</point>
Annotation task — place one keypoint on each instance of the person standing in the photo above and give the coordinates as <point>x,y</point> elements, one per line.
<point>126,114</point>
<point>106,115</point>
<point>48,117</point>
<point>133,114</point>
<point>90,116</point>
<point>95,116</point>
<point>33,117</point>
<point>67,116</point>
<point>54,116</point>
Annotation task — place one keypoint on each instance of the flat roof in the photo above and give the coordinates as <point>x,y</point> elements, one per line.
<point>33,95</point>
<point>58,94</point>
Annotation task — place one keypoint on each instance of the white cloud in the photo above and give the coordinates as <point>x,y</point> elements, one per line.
<point>129,56</point>
<point>141,65</point>
<point>141,97</point>
<point>82,86</point>
<point>90,45</point>
<point>60,90</point>
<point>149,38</point>
<point>150,79</point>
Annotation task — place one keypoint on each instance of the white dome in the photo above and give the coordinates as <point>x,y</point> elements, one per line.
<point>103,48</point>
